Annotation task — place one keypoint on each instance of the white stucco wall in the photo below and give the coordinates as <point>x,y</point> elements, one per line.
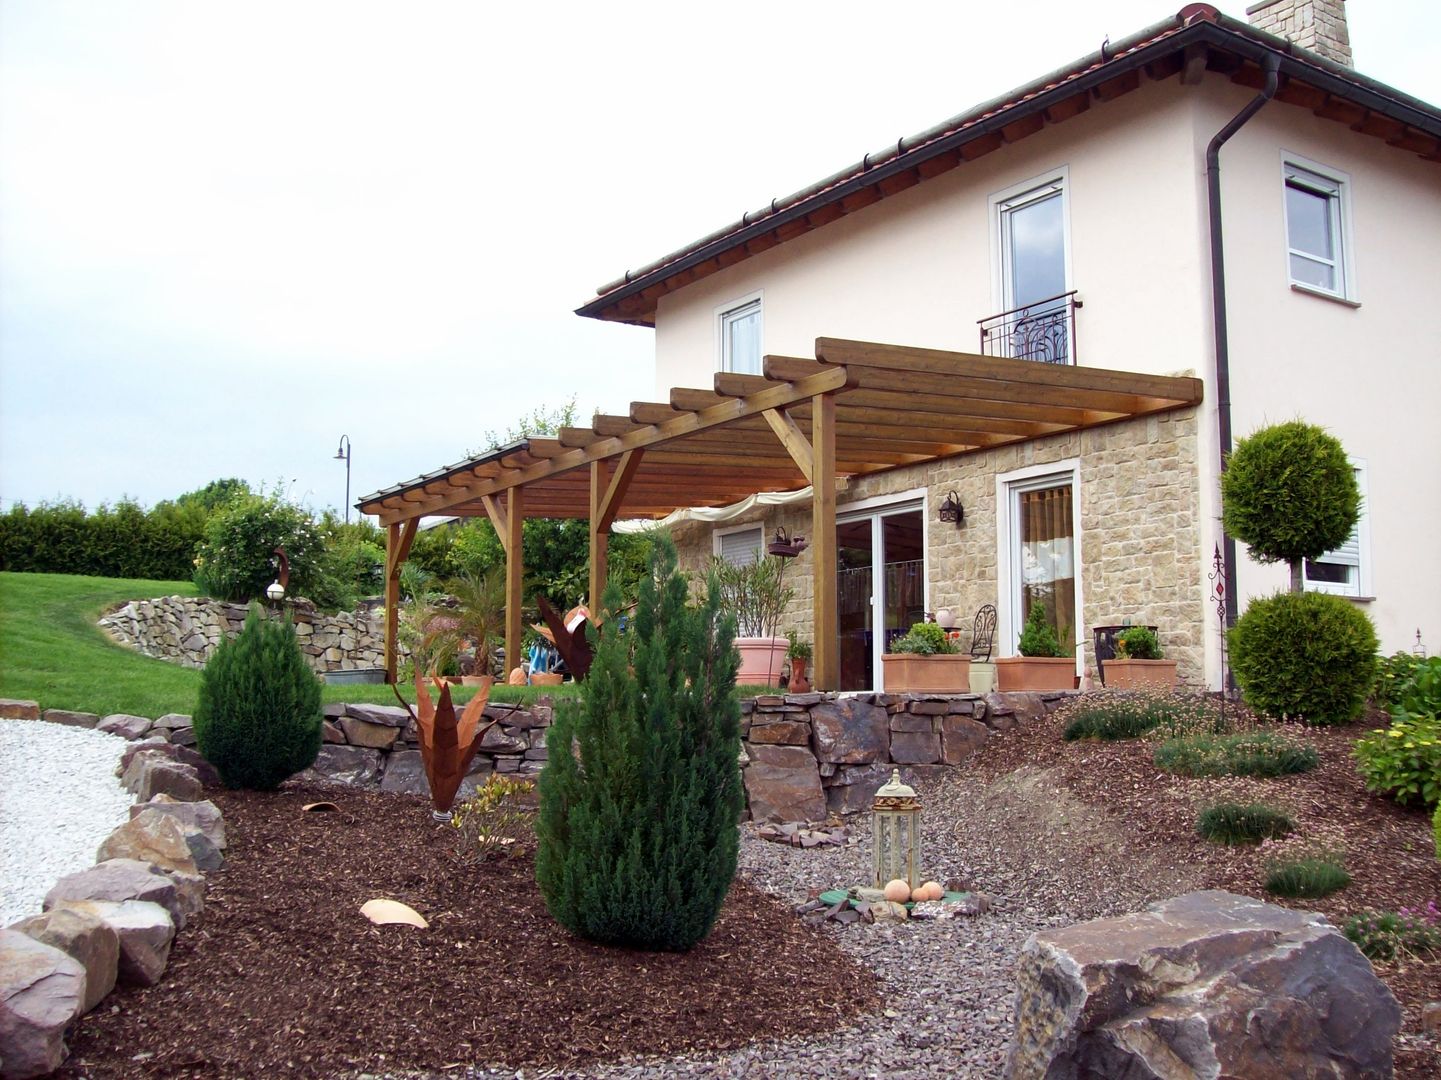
<point>919,269</point>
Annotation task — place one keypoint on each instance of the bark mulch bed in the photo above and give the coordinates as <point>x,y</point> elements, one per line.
<point>1389,851</point>
<point>281,975</point>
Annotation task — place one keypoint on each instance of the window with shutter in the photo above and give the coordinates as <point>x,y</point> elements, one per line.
<point>1342,571</point>
<point>740,547</point>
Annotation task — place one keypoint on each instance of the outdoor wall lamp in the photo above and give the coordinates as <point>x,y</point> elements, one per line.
<point>952,510</point>
<point>343,454</point>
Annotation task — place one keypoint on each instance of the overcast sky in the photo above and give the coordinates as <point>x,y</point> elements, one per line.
<point>230,233</point>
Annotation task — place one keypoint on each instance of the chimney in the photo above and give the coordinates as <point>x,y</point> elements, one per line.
<point>1317,25</point>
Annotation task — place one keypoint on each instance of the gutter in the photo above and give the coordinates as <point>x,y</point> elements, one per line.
<point>1270,65</point>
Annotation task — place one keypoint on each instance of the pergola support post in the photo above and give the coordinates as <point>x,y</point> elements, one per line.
<point>514,574</point>
<point>827,643</point>
<point>599,535</point>
<point>398,538</point>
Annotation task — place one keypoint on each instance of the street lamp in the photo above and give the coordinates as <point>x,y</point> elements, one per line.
<point>343,454</point>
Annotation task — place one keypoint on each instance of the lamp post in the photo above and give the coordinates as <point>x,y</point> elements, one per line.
<point>343,454</point>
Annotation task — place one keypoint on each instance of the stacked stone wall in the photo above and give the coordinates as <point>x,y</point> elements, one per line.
<point>187,630</point>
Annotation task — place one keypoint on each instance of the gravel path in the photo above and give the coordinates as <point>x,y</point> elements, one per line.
<point>59,799</point>
<point>1046,861</point>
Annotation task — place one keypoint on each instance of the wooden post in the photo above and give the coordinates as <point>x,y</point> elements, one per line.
<point>398,538</point>
<point>827,641</point>
<point>599,535</point>
<point>514,575</point>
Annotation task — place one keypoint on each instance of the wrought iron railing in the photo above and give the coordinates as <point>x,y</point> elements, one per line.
<point>1044,331</point>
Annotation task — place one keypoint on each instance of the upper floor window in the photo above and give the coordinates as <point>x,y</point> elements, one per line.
<point>740,337</point>
<point>1032,268</point>
<point>1346,570</point>
<point>1316,228</point>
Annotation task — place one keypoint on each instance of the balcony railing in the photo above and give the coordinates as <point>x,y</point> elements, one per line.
<point>1044,331</point>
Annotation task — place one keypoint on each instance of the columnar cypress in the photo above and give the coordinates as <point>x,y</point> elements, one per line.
<point>258,719</point>
<point>641,793</point>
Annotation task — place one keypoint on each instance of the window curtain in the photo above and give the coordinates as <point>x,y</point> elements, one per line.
<point>1048,567</point>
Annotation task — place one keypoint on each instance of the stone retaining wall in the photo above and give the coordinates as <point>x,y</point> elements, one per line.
<point>187,630</point>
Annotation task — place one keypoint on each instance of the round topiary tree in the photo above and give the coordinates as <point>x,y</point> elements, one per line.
<point>641,792</point>
<point>1304,656</point>
<point>1289,494</point>
<point>258,718</point>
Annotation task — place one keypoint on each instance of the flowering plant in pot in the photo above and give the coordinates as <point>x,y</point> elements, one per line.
<point>1138,661</point>
<point>756,594</point>
<point>1042,665</point>
<point>926,659</point>
<point>798,652</point>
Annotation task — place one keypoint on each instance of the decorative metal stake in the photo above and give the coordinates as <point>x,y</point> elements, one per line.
<point>1217,577</point>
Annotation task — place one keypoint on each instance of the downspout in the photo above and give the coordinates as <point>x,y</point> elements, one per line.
<point>1270,65</point>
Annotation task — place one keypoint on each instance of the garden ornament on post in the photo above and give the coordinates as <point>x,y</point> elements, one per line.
<point>896,833</point>
<point>447,746</point>
<point>568,636</point>
<point>275,591</point>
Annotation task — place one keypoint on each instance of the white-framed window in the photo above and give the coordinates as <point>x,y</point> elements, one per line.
<point>739,335</point>
<point>1038,553</point>
<point>1318,228</point>
<point>1031,229</point>
<point>739,545</point>
<point>1347,570</point>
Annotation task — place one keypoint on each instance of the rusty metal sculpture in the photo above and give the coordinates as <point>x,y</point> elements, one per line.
<point>447,745</point>
<point>568,636</point>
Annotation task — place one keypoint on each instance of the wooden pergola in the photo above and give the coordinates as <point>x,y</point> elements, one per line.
<point>855,408</point>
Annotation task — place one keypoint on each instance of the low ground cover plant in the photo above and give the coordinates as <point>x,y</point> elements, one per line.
<point>495,822</point>
<point>1306,866</point>
<point>1246,753</point>
<point>1109,715</point>
<point>258,718</point>
<point>1243,823</point>
<point>1387,935</point>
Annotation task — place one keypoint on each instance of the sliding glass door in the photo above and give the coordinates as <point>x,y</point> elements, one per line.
<point>881,587</point>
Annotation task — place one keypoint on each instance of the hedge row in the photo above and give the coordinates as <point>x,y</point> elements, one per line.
<point>122,541</point>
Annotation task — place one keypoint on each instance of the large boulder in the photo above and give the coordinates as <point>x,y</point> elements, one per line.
<point>202,823</point>
<point>783,783</point>
<point>365,733</point>
<point>1206,984</point>
<point>84,938</point>
<point>849,732</point>
<point>405,775</point>
<point>121,879</point>
<point>152,837</point>
<point>41,991</point>
<point>145,931</point>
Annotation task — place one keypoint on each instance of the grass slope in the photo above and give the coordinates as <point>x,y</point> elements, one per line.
<point>52,652</point>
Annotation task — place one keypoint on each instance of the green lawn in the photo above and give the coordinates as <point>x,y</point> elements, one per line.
<point>52,652</point>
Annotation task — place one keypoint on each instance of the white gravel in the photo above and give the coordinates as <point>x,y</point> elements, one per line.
<point>59,799</point>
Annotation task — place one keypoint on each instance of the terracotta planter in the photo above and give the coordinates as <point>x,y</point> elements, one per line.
<point>1139,674</point>
<point>946,674</point>
<point>799,684</point>
<point>472,680</point>
<point>761,660</point>
<point>1036,673</point>
<point>547,678</point>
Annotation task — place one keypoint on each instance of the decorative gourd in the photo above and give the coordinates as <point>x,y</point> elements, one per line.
<point>897,891</point>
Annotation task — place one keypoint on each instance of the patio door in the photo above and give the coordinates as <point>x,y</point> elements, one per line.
<point>1043,556</point>
<point>881,585</point>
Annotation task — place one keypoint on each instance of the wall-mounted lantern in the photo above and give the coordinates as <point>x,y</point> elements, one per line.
<point>896,833</point>
<point>951,509</point>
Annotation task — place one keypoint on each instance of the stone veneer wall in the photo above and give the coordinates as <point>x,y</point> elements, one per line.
<point>187,630</point>
<point>803,755</point>
<point>1140,531</point>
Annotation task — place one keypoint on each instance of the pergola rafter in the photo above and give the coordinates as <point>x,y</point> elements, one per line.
<point>855,408</point>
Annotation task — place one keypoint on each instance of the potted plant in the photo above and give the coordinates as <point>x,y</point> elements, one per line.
<point>756,594</point>
<point>1138,662</point>
<point>478,619</point>
<point>926,659</point>
<point>798,652</point>
<point>1042,664</point>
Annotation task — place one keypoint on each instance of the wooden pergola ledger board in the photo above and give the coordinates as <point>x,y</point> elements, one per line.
<point>856,408</point>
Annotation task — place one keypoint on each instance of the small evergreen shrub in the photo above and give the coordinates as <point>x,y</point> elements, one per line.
<point>925,639</point>
<point>641,792</point>
<point>258,716</point>
<point>1392,673</point>
<point>1308,878</point>
<point>1250,753</point>
<point>1037,637</point>
<point>1289,493</point>
<point>1138,643</point>
<point>1404,760</point>
<point>1304,656</point>
<point>1385,935</point>
<point>1237,823</point>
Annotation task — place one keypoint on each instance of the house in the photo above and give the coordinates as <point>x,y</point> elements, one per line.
<point>1057,310</point>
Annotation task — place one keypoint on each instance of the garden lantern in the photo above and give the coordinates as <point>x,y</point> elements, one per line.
<point>896,833</point>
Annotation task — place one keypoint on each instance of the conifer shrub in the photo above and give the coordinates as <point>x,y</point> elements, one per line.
<point>258,718</point>
<point>641,793</point>
<point>1037,636</point>
<point>1304,656</point>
